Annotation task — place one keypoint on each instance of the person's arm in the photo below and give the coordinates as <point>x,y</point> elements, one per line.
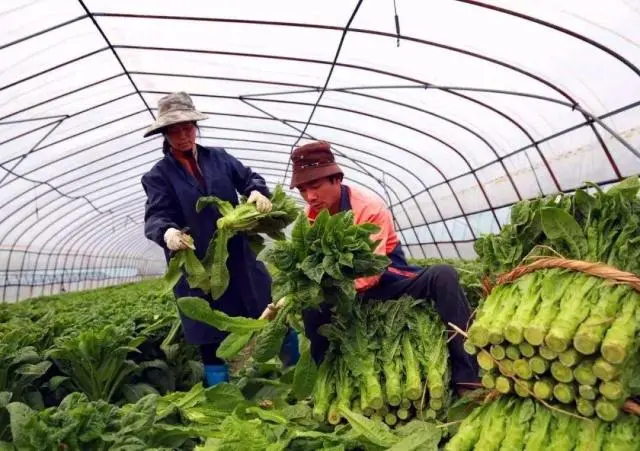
<point>244,179</point>
<point>383,219</point>
<point>161,209</point>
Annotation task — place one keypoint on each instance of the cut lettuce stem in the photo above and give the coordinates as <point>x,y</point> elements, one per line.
<point>620,338</point>
<point>526,349</point>
<point>506,368</point>
<point>504,384</point>
<point>585,407</point>
<point>547,353</point>
<point>543,389</point>
<point>488,381</point>
<point>485,360</point>
<point>523,388</point>
<point>565,393</point>
<point>605,370</point>
<point>539,365</point>
<point>588,392</point>
<point>470,348</point>
<point>498,352</point>
<point>607,410</point>
<point>523,369</point>
<point>570,357</point>
<point>591,332</point>
<point>512,352</point>
<point>561,373</point>
<point>584,373</point>
<point>554,284</point>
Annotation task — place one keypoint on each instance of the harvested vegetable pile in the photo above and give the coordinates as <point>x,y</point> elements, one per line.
<point>555,333</point>
<point>515,424</point>
<point>211,273</point>
<point>388,360</point>
<point>319,264</point>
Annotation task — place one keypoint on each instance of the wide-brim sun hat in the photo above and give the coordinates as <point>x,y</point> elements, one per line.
<point>312,162</point>
<point>174,108</point>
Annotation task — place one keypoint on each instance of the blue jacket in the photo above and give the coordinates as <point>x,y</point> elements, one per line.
<point>172,194</point>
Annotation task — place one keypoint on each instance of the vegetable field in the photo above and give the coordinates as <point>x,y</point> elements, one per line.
<point>556,334</point>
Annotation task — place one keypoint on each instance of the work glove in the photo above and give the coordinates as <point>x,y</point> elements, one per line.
<point>177,240</point>
<point>272,309</point>
<point>263,204</point>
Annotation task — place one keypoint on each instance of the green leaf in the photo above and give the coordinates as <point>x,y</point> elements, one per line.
<point>560,225</point>
<point>219,270</point>
<point>233,344</point>
<point>197,276</point>
<point>306,372</point>
<point>198,309</point>
<point>312,268</point>
<point>173,274</point>
<point>629,188</point>
<point>224,396</point>
<point>272,416</point>
<point>376,433</point>
<point>56,381</point>
<point>426,438</point>
<point>223,206</point>
<point>5,398</point>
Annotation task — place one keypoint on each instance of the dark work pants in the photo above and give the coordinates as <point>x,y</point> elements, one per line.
<point>438,283</point>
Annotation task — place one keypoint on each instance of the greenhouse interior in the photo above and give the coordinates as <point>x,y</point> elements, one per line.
<point>303,225</point>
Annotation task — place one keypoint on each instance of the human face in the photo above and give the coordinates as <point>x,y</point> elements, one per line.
<point>322,194</point>
<point>181,136</point>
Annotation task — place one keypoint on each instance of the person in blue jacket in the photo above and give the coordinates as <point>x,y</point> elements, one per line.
<point>186,172</point>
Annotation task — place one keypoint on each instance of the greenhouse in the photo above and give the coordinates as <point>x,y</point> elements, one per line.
<point>338,225</point>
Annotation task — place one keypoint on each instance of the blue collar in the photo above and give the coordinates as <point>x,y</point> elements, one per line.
<point>345,198</point>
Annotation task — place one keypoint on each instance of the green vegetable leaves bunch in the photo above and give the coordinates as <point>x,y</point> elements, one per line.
<point>322,260</point>
<point>211,273</point>
<point>556,334</point>
<point>603,226</point>
<point>388,361</point>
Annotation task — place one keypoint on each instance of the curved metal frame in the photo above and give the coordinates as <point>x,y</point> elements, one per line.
<point>101,245</point>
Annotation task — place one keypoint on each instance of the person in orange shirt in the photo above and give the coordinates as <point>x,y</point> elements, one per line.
<point>319,180</point>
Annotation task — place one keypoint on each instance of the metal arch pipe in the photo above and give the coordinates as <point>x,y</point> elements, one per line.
<point>73,154</point>
<point>566,31</point>
<point>543,140</point>
<point>61,96</point>
<point>115,54</point>
<point>62,239</point>
<point>469,53</point>
<point>74,180</point>
<point>28,246</point>
<point>52,68</point>
<point>124,252</point>
<point>399,181</point>
<point>433,165</point>
<point>476,55</point>
<point>354,66</point>
<point>288,124</point>
<point>87,224</point>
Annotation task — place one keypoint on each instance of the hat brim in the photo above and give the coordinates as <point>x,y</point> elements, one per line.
<point>303,176</point>
<point>174,117</point>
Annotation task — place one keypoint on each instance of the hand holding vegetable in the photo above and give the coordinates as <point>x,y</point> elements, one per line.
<point>177,240</point>
<point>263,204</point>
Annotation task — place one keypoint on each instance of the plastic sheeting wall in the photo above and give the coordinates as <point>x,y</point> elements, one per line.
<point>469,108</point>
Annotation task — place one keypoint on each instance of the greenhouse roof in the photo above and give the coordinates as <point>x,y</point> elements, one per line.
<point>451,111</point>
